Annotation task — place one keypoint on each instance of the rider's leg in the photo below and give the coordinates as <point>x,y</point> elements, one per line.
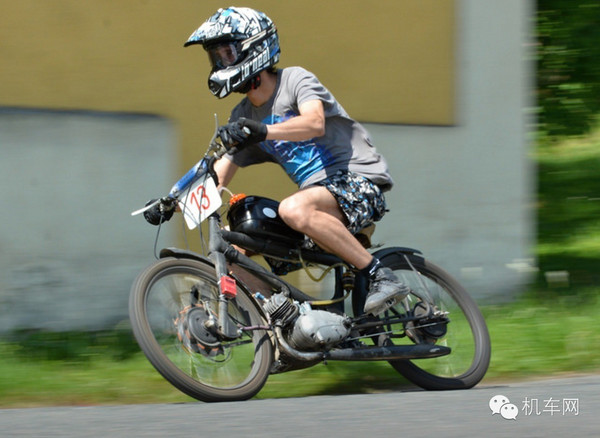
<point>315,212</point>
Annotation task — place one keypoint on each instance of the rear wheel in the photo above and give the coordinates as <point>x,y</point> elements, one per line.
<point>172,306</point>
<point>444,314</point>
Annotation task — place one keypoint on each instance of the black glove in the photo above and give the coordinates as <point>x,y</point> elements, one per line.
<point>232,134</point>
<point>158,213</point>
<point>241,133</point>
<point>258,130</point>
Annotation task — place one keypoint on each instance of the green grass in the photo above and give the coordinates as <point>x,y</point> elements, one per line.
<point>530,338</point>
<point>94,381</point>
<point>552,329</point>
<point>536,337</point>
<point>569,208</point>
<point>89,373</point>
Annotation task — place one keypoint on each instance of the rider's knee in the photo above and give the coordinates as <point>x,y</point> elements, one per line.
<point>292,213</point>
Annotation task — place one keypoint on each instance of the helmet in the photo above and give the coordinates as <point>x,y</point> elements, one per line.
<point>240,42</point>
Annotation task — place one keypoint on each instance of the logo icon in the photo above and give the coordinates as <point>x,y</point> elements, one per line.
<point>500,404</point>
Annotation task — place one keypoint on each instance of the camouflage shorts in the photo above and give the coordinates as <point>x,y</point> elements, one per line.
<point>361,201</point>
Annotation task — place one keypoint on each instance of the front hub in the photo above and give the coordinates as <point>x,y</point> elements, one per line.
<point>196,329</point>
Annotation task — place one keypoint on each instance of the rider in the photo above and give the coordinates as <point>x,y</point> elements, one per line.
<point>289,117</point>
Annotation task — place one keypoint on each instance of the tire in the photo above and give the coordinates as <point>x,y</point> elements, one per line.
<point>466,332</point>
<point>161,303</point>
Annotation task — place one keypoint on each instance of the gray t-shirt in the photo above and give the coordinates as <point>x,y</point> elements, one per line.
<point>345,146</point>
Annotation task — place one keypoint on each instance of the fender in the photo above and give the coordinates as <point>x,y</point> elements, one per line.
<point>412,253</point>
<point>184,254</point>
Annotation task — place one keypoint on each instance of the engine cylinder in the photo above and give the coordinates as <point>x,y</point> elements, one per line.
<point>281,308</point>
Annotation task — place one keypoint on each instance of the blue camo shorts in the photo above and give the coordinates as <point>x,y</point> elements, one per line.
<point>360,199</point>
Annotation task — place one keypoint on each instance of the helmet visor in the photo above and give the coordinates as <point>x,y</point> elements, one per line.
<point>223,55</point>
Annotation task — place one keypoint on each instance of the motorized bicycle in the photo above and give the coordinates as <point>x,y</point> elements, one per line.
<point>207,327</point>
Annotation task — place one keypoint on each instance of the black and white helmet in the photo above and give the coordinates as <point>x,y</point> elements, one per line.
<point>240,42</point>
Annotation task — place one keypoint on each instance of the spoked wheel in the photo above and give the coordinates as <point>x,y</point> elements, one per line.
<point>452,319</point>
<point>172,306</point>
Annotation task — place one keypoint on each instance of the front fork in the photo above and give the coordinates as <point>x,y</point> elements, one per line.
<point>226,329</point>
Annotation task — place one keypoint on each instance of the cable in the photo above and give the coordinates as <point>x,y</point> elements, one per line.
<point>326,271</point>
<point>156,238</point>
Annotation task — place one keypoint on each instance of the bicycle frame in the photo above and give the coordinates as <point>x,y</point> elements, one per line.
<point>221,252</point>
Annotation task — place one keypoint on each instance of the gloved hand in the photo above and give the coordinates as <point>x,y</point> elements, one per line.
<point>241,133</point>
<point>258,130</point>
<point>158,213</point>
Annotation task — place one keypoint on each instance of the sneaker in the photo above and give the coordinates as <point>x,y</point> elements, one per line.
<point>385,291</point>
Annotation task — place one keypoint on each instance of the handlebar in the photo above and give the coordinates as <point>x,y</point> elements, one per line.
<point>216,149</point>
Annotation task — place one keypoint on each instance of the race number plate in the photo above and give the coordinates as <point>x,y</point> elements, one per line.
<point>200,201</point>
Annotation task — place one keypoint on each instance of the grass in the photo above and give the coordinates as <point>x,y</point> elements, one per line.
<point>536,337</point>
<point>552,329</point>
<point>569,208</point>
<point>530,338</point>
<point>92,374</point>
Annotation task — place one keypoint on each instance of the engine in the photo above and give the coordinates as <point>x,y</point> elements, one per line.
<point>304,328</point>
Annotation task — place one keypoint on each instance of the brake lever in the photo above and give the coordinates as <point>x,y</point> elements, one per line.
<point>166,201</point>
<point>147,207</point>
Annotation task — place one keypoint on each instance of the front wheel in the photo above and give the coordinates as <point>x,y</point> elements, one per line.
<point>452,320</point>
<point>172,305</point>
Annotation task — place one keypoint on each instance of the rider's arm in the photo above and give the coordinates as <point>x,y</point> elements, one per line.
<point>309,124</point>
<point>225,169</point>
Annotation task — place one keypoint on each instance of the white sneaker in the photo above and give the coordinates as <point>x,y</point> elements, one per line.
<point>385,291</point>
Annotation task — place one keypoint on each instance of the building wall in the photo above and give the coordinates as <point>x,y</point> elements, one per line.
<point>389,62</point>
<point>69,249</point>
<point>464,194</point>
<point>442,85</point>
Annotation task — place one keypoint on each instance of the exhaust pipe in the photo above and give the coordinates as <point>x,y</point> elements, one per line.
<point>394,352</point>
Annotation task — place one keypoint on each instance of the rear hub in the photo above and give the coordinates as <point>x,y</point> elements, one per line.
<point>429,325</point>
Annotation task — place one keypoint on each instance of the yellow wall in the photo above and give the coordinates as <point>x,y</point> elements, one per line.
<point>388,61</point>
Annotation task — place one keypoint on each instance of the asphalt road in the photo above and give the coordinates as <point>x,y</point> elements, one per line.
<point>543,408</point>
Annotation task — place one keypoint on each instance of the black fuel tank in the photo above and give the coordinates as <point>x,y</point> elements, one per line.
<point>258,217</point>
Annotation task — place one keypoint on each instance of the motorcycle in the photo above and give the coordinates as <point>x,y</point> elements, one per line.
<point>216,325</point>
